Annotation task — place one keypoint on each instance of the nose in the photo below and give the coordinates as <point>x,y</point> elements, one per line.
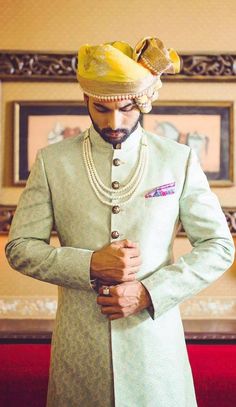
<point>115,120</point>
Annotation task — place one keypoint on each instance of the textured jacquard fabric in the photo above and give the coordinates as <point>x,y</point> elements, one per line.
<point>139,361</point>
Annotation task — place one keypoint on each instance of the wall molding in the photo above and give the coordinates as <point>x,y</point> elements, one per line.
<point>7,213</point>
<point>37,66</point>
<point>214,307</point>
<point>28,307</point>
<point>61,66</point>
<point>40,331</point>
<point>40,307</point>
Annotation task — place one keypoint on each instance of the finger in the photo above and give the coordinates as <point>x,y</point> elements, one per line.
<point>100,291</point>
<point>126,289</point>
<point>110,310</point>
<point>128,278</point>
<point>133,270</point>
<point>132,252</point>
<point>135,262</point>
<point>130,244</point>
<point>102,300</point>
<point>126,312</point>
<point>105,282</point>
<point>117,298</point>
<point>125,243</point>
<point>115,316</point>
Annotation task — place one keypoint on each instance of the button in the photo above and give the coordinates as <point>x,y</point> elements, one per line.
<point>115,209</point>
<point>116,162</point>
<point>115,234</point>
<point>115,185</point>
<point>117,146</point>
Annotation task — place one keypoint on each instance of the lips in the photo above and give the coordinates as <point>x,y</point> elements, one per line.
<point>115,134</point>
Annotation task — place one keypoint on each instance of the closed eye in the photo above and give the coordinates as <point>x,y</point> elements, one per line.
<point>101,108</point>
<point>127,108</point>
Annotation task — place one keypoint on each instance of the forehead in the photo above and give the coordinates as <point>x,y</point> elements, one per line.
<point>111,105</point>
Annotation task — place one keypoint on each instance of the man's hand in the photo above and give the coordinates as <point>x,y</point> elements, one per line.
<point>125,299</point>
<point>116,263</point>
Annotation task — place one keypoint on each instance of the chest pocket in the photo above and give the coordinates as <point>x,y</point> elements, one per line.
<point>162,212</point>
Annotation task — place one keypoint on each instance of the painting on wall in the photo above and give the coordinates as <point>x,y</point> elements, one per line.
<point>206,127</point>
<point>38,124</point>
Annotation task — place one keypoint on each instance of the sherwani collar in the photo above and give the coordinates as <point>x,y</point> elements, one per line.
<point>132,142</point>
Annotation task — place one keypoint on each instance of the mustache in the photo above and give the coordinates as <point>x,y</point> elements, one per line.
<point>109,130</point>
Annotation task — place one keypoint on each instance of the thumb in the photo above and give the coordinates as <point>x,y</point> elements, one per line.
<point>129,244</point>
<point>126,243</point>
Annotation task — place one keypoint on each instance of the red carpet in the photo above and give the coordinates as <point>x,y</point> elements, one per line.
<point>24,374</point>
<point>214,372</point>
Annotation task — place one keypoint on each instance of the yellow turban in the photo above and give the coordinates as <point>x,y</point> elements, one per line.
<point>115,71</point>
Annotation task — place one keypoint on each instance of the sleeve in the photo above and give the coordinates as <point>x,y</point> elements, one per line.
<point>209,235</point>
<point>28,250</point>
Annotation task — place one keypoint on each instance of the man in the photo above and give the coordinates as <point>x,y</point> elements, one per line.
<point>116,195</point>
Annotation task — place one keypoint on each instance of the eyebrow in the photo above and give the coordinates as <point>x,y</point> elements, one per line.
<point>123,107</point>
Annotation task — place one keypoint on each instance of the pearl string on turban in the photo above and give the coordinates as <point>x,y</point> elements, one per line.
<point>115,71</point>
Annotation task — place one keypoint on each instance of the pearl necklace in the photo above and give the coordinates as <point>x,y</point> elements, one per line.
<point>125,193</point>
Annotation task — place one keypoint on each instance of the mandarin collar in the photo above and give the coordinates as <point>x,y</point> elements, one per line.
<point>133,141</point>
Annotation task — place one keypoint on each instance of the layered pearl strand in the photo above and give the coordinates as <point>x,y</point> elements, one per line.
<point>109,196</point>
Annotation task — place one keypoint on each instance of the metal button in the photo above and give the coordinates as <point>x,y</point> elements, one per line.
<point>115,185</point>
<point>117,146</point>
<point>115,234</point>
<point>115,209</point>
<point>116,162</point>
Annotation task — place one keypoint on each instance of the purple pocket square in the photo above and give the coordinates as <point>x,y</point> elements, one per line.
<point>162,190</point>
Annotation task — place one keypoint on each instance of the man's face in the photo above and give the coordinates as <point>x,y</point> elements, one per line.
<point>114,121</point>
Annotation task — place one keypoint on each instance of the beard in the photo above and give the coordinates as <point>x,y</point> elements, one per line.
<point>114,137</point>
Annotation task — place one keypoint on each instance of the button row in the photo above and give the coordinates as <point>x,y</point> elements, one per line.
<point>115,185</point>
<point>117,146</point>
<point>116,162</point>
<point>115,234</point>
<point>115,209</point>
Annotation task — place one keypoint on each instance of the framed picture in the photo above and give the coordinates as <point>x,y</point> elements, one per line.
<point>207,127</point>
<point>38,124</point>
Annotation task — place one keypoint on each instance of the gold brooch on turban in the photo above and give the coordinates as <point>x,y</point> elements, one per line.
<point>116,71</point>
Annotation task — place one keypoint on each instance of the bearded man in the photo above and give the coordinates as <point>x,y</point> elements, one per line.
<point>116,195</point>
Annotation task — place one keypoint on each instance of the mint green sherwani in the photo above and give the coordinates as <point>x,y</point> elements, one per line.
<point>139,361</point>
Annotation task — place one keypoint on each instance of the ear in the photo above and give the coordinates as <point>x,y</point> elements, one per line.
<point>86,98</point>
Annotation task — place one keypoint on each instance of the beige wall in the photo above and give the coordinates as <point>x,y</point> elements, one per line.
<point>201,26</point>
